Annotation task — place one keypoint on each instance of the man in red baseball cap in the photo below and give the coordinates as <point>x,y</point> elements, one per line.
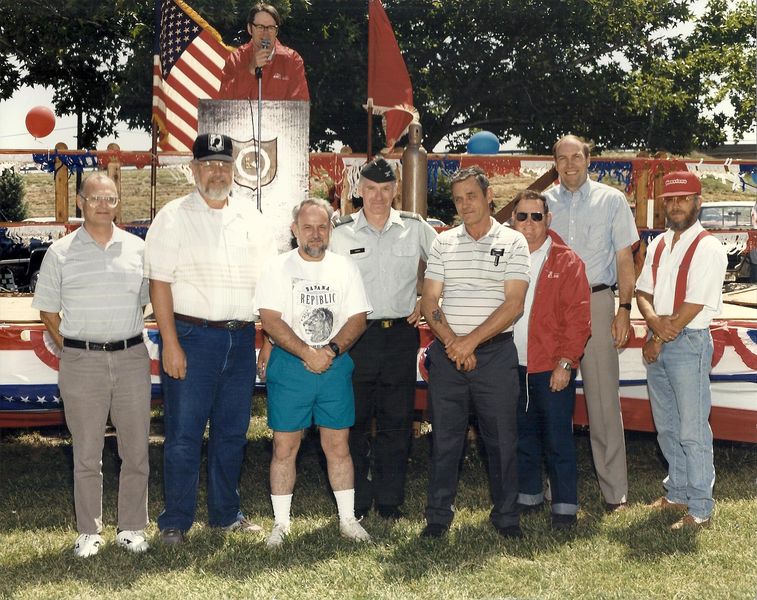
<point>678,292</point>
<point>681,183</point>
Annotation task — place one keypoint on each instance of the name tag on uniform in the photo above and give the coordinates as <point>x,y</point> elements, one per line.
<point>357,250</point>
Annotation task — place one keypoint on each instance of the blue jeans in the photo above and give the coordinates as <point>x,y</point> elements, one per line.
<point>545,431</point>
<point>218,387</point>
<point>679,392</point>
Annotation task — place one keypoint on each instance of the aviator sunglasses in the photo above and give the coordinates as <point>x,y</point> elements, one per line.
<point>535,216</point>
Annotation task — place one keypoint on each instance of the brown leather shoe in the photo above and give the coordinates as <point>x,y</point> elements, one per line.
<point>689,522</point>
<point>662,503</point>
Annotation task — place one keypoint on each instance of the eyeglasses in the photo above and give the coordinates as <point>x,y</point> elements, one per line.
<point>109,201</point>
<point>522,216</point>
<point>215,164</point>
<point>265,28</point>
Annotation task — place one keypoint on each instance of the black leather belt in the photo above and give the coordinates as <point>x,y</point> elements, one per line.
<point>600,287</point>
<point>232,325</point>
<point>386,323</point>
<point>500,337</point>
<point>106,347</point>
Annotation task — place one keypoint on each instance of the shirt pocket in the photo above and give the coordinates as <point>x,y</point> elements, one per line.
<point>363,258</point>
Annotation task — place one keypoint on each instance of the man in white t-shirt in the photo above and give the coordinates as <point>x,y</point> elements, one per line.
<point>679,291</point>
<point>313,306</point>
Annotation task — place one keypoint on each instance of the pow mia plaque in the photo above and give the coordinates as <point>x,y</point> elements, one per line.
<point>284,166</point>
<point>246,168</point>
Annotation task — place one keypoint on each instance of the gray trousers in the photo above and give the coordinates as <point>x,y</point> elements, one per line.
<point>94,384</point>
<point>600,373</point>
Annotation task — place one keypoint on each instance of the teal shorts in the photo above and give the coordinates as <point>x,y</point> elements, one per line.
<point>298,398</point>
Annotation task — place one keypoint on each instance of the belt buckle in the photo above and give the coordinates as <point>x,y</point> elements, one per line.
<point>233,325</point>
<point>386,323</point>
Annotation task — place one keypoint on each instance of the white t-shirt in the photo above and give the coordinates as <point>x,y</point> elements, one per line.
<point>315,298</point>
<point>520,327</point>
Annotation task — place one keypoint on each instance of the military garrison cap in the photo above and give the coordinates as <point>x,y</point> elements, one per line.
<point>378,170</point>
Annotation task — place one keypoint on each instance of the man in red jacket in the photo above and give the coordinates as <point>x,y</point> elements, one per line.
<point>550,337</point>
<point>281,68</point>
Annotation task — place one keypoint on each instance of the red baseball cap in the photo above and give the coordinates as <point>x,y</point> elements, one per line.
<point>680,183</point>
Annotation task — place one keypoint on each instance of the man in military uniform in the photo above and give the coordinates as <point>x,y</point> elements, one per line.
<point>387,246</point>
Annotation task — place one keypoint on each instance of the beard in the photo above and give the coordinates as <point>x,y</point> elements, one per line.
<point>314,249</point>
<point>216,191</point>
<point>690,217</point>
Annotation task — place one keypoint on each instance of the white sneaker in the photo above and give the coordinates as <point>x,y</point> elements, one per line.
<point>351,529</point>
<point>242,524</point>
<point>133,541</point>
<point>277,536</point>
<point>87,544</point>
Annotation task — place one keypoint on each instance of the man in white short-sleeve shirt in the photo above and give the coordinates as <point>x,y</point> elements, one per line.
<point>203,256</point>
<point>679,291</point>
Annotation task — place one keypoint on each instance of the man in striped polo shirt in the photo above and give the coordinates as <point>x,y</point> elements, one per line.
<point>91,293</point>
<point>480,271</point>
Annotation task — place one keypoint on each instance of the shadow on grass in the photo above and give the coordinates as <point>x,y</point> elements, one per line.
<point>650,538</point>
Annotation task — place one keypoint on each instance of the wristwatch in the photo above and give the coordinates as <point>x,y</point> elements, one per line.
<point>334,348</point>
<point>565,364</point>
<point>626,305</point>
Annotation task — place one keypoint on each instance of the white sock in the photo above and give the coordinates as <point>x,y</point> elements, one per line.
<point>282,506</point>
<point>345,504</point>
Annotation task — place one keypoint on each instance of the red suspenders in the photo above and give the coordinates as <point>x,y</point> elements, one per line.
<point>683,269</point>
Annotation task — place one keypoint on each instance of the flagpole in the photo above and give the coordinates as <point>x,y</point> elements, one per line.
<point>153,172</point>
<point>153,124</point>
<point>369,145</point>
<point>369,137</point>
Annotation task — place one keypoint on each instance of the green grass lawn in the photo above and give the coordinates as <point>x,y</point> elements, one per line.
<point>626,555</point>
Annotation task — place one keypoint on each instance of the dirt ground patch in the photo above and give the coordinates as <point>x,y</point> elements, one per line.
<point>173,183</point>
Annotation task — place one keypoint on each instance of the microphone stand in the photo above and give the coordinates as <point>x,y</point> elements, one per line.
<point>259,192</point>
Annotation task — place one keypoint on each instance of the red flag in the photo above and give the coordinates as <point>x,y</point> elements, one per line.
<point>390,92</point>
<point>188,59</point>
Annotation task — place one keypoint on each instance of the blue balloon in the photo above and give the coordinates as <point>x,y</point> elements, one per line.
<point>483,142</point>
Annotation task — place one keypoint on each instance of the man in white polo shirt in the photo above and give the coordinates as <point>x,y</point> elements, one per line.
<point>679,291</point>
<point>480,270</point>
<point>91,294</point>
<point>204,254</point>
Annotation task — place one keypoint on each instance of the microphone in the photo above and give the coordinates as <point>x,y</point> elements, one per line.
<point>264,44</point>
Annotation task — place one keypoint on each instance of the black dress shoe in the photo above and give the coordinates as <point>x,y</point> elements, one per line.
<point>434,530</point>
<point>171,536</point>
<point>510,531</point>
<point>389,511</point>
<point>563,521</point>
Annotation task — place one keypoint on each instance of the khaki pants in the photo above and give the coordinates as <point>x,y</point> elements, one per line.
<point>94,384</point>
<point>600,373</point>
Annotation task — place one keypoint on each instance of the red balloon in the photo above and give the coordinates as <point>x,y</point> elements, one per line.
<point>40,121</point>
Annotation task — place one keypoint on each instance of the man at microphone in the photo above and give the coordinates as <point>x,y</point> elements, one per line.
<point>281,68</point>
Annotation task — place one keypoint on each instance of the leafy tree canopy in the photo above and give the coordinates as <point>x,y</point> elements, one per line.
<point>535,69</point>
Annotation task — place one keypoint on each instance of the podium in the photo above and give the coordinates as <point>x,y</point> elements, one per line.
<point>284,173</point>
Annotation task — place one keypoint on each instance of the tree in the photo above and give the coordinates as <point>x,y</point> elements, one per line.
<point>76,47</point>
<point>538,69</point>
<point>12,206</point>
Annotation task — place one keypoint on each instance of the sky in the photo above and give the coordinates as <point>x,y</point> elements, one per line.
<point>13,133</point>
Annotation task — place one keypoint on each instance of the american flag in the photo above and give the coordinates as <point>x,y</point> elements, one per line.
<point>189,56</point>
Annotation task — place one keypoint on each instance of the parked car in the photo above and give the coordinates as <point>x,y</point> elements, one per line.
<point>22,248</point>
<point>733,223</point>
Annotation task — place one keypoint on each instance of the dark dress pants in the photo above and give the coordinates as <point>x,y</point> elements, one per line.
<point>493,388</point>
<point>384,382</point>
